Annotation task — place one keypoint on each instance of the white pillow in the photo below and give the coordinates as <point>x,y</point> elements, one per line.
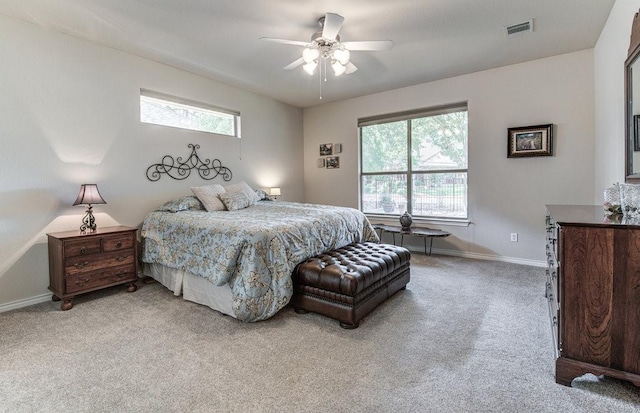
<point>208,195</point>
<point>243,187</point>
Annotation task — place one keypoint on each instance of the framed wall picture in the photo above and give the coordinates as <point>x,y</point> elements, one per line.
<point>530,141</point>
<point>333,162</point>
<point>320,162</point>
<point>326,149</point>
<point>636,133</point>
<point>337,148</point>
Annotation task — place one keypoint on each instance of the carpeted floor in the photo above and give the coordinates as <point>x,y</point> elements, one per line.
<point>466,336</point>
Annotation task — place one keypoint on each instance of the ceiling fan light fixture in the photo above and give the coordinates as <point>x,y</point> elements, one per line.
<point>342,55</point>
<point>338,68</point>
<point>310,67</point>
<point>309,54</point>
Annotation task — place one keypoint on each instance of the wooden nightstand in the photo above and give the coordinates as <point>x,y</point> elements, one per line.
<point>79,263</point>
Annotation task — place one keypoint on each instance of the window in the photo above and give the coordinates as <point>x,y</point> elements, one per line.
<point>415,162</point>
<point>165,110</point>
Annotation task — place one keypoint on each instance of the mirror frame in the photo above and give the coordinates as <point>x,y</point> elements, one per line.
<point>632,56</point>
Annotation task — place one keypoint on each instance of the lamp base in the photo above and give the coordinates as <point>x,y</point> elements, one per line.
<point>88,222</point>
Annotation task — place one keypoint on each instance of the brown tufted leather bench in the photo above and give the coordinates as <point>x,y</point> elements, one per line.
<point>346,284</point>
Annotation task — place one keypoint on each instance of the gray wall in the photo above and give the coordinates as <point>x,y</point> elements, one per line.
<point>70,115</point>
<point>505,195</point>
<point>609,56</point>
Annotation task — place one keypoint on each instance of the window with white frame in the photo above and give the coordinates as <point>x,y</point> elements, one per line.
<point>416,162</point>
<point>165,110</point>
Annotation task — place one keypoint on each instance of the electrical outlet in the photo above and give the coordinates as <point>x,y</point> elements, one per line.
<point>514,237</point>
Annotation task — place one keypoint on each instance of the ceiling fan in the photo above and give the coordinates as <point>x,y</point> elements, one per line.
<point>325,46</point>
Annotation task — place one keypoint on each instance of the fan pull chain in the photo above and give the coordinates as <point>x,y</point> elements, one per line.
<point>320,78</point>
<point>324,62</point>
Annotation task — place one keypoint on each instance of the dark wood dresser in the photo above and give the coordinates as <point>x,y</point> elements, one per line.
<point>79,263</point>
<point>593,287</point>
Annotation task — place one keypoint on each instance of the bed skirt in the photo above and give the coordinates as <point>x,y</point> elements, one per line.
<point>193,288</point>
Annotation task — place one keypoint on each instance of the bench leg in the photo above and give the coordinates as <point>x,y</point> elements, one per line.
<point>349,326</point>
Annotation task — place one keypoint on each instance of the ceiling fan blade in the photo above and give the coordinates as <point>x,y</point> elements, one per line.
<point>331,26</point>
<point>294,64</point>
<point>285,41</point>
<point>350,68</point>
<point>371,45</point>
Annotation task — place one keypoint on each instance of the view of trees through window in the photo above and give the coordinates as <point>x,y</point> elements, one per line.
<point>416,164</point>
<point>166,112</point>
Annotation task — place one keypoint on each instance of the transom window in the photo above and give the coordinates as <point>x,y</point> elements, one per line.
<point>160,109</point>
<point>416,162</point>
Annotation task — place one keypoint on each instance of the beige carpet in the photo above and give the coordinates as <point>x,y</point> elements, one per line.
<point>466,336</point>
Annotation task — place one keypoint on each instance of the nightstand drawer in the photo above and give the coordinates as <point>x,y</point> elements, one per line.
<point>82,247</point>
<point>117,243</point>
<point>87,281</point>
<point>97,262</point>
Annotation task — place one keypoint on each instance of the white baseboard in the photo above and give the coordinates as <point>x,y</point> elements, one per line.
<point>14,305</point>
<point>478,256</point>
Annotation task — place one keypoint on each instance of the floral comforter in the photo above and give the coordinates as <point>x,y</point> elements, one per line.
<point>254,249</point>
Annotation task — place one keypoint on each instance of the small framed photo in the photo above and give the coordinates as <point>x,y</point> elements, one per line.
<point>337,148</point>
<point>530,141</point>
<point>333,162</point>
<point>636,133</point>
<point>320,162</point>
<point>326,149</point>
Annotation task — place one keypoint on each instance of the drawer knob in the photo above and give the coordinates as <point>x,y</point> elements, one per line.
<point>83,250</point>
<point>119,244</point>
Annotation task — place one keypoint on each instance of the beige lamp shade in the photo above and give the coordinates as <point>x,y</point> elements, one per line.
<point>88,195</point>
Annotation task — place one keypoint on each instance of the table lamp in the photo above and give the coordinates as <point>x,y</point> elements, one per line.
<point>88,195</point>
<point>274,192</point>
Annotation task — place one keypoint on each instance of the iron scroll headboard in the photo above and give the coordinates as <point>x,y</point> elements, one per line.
<point>179,169</point>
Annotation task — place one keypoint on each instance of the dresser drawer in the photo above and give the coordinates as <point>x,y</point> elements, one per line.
<point>96,262</point>
<point>116,243</point>
<point>87,281</point>
<point>82,247</point>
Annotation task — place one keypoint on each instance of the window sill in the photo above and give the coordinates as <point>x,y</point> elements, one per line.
<point>389,220</point>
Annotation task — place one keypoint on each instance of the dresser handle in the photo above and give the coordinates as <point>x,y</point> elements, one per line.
<point>119,244</point>
<point>83,250</point>
<point>121,257</point>
<point>83,281</point>
<point>81,264</point>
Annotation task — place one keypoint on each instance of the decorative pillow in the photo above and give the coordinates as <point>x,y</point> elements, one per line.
<point>185,203</point>
<point>235,200</point>
<point>244,187</point>
<point>208,195</point>
<point>262,195</point>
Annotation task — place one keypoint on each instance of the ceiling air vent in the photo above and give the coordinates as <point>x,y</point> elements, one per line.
<point>520,28</point>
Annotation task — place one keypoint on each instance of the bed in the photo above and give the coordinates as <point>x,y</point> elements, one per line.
<point>240,262</point>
